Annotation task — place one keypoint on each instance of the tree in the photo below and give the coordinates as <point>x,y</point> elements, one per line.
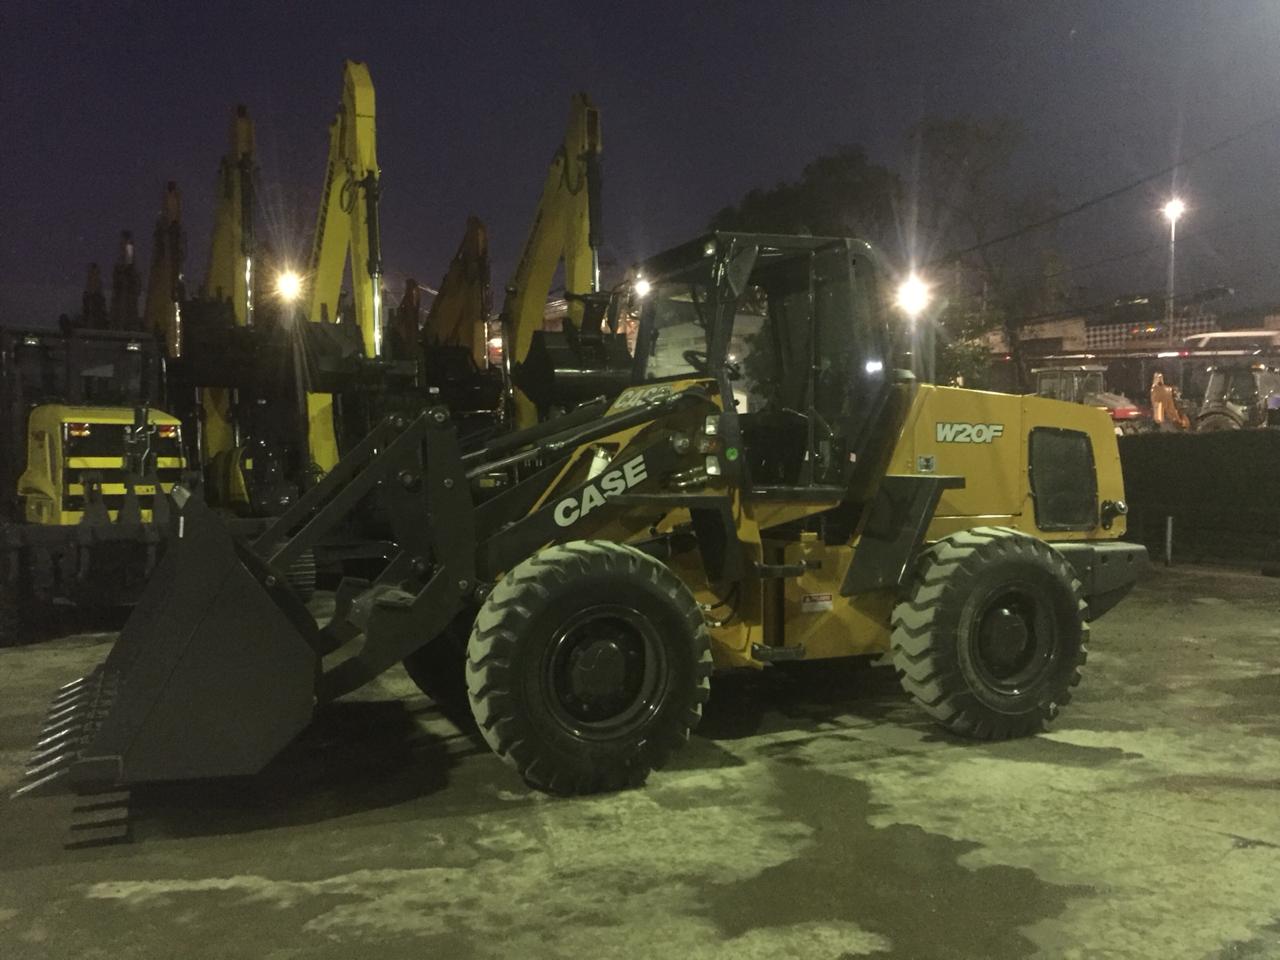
<point>839,194</point>
<point>962,201</point>
<point>941,219</point>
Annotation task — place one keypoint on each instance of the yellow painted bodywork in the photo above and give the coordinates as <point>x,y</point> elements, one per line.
<point>43,486</point>
<point>997,489</point>
<point>808,610</point>
<point>560,231</point>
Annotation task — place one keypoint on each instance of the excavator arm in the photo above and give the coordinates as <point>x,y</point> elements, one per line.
<point>231,253</point>
<point>163,311</point>
<point>565,228</point>
<point>231,273</point>
<point>347,221</point>
<point>458,313</point>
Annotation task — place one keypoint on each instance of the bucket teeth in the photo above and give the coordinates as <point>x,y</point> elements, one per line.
<point>45,743</point>
<point>40,770</point>
<point>70,696</point>
<point>63,735</point>
<point>63,711</point>
<point>72,686</point>
<point>40,756</point>
<point>66,723</point>
<point>46,781</point>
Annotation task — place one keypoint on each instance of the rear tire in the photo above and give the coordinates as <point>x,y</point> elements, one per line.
<point>992,639</point>
<point>588,666</point>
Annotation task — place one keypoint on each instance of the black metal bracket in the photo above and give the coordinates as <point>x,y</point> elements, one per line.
<point>893,530</point>
<point>767,654</point>
<point>433,574</point>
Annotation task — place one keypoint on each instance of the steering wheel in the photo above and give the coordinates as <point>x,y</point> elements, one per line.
<point>800,421</point>
<point>696,359</point>
<point>699,361</point>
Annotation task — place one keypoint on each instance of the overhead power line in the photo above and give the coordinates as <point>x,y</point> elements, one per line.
<point>1111,194</point>
<point>1158,245</point>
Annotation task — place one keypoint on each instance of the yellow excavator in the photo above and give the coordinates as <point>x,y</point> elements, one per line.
<point>452,346</point>
<point>267,380</point>
<point>545,371</point>
<point>229,369</point>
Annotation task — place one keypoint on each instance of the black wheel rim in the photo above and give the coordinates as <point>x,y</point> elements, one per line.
<point>1013,640</point>
<point>605,671</point>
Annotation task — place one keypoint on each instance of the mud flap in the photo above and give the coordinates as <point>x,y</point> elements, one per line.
<point>214,673</point>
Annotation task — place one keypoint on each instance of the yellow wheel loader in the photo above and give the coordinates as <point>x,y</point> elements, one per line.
<point>86,463</point>
<point>769,488</point>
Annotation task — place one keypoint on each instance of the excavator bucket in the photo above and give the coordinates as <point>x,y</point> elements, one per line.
<point>214,673</point>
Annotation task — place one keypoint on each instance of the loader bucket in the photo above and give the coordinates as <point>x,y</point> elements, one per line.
<point>213,674</point>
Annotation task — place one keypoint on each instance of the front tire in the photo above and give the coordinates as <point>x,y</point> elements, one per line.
<point>992,639</point>
<point>588,667</point>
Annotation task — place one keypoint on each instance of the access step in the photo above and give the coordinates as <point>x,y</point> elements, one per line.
<point>770,654</point>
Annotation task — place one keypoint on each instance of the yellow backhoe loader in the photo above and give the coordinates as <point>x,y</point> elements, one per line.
<point>265,379</point>
<point>548,371</point>
<point>838,508</point>
<point>347,225</point>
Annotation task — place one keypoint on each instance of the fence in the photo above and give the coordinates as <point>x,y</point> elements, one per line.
<point>1220,489</point>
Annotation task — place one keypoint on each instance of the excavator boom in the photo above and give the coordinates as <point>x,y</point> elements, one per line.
<point>565,228</point>
<point>347,222</point>
<point>231,273</point>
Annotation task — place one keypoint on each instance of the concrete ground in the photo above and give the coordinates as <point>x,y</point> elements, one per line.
<point>813,816</point>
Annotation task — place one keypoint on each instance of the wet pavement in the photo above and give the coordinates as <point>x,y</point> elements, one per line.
<point>815,815</point>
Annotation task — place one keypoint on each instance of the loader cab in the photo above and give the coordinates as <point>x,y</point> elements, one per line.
<point>72,425</point>
<point>792,332</point>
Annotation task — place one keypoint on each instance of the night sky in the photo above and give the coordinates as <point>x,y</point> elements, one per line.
<point>102,103</point>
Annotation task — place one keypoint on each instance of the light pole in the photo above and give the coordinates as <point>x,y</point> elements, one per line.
<point>1174,209</point>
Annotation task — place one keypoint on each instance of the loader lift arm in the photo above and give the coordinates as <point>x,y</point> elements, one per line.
<point>215,600</point>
